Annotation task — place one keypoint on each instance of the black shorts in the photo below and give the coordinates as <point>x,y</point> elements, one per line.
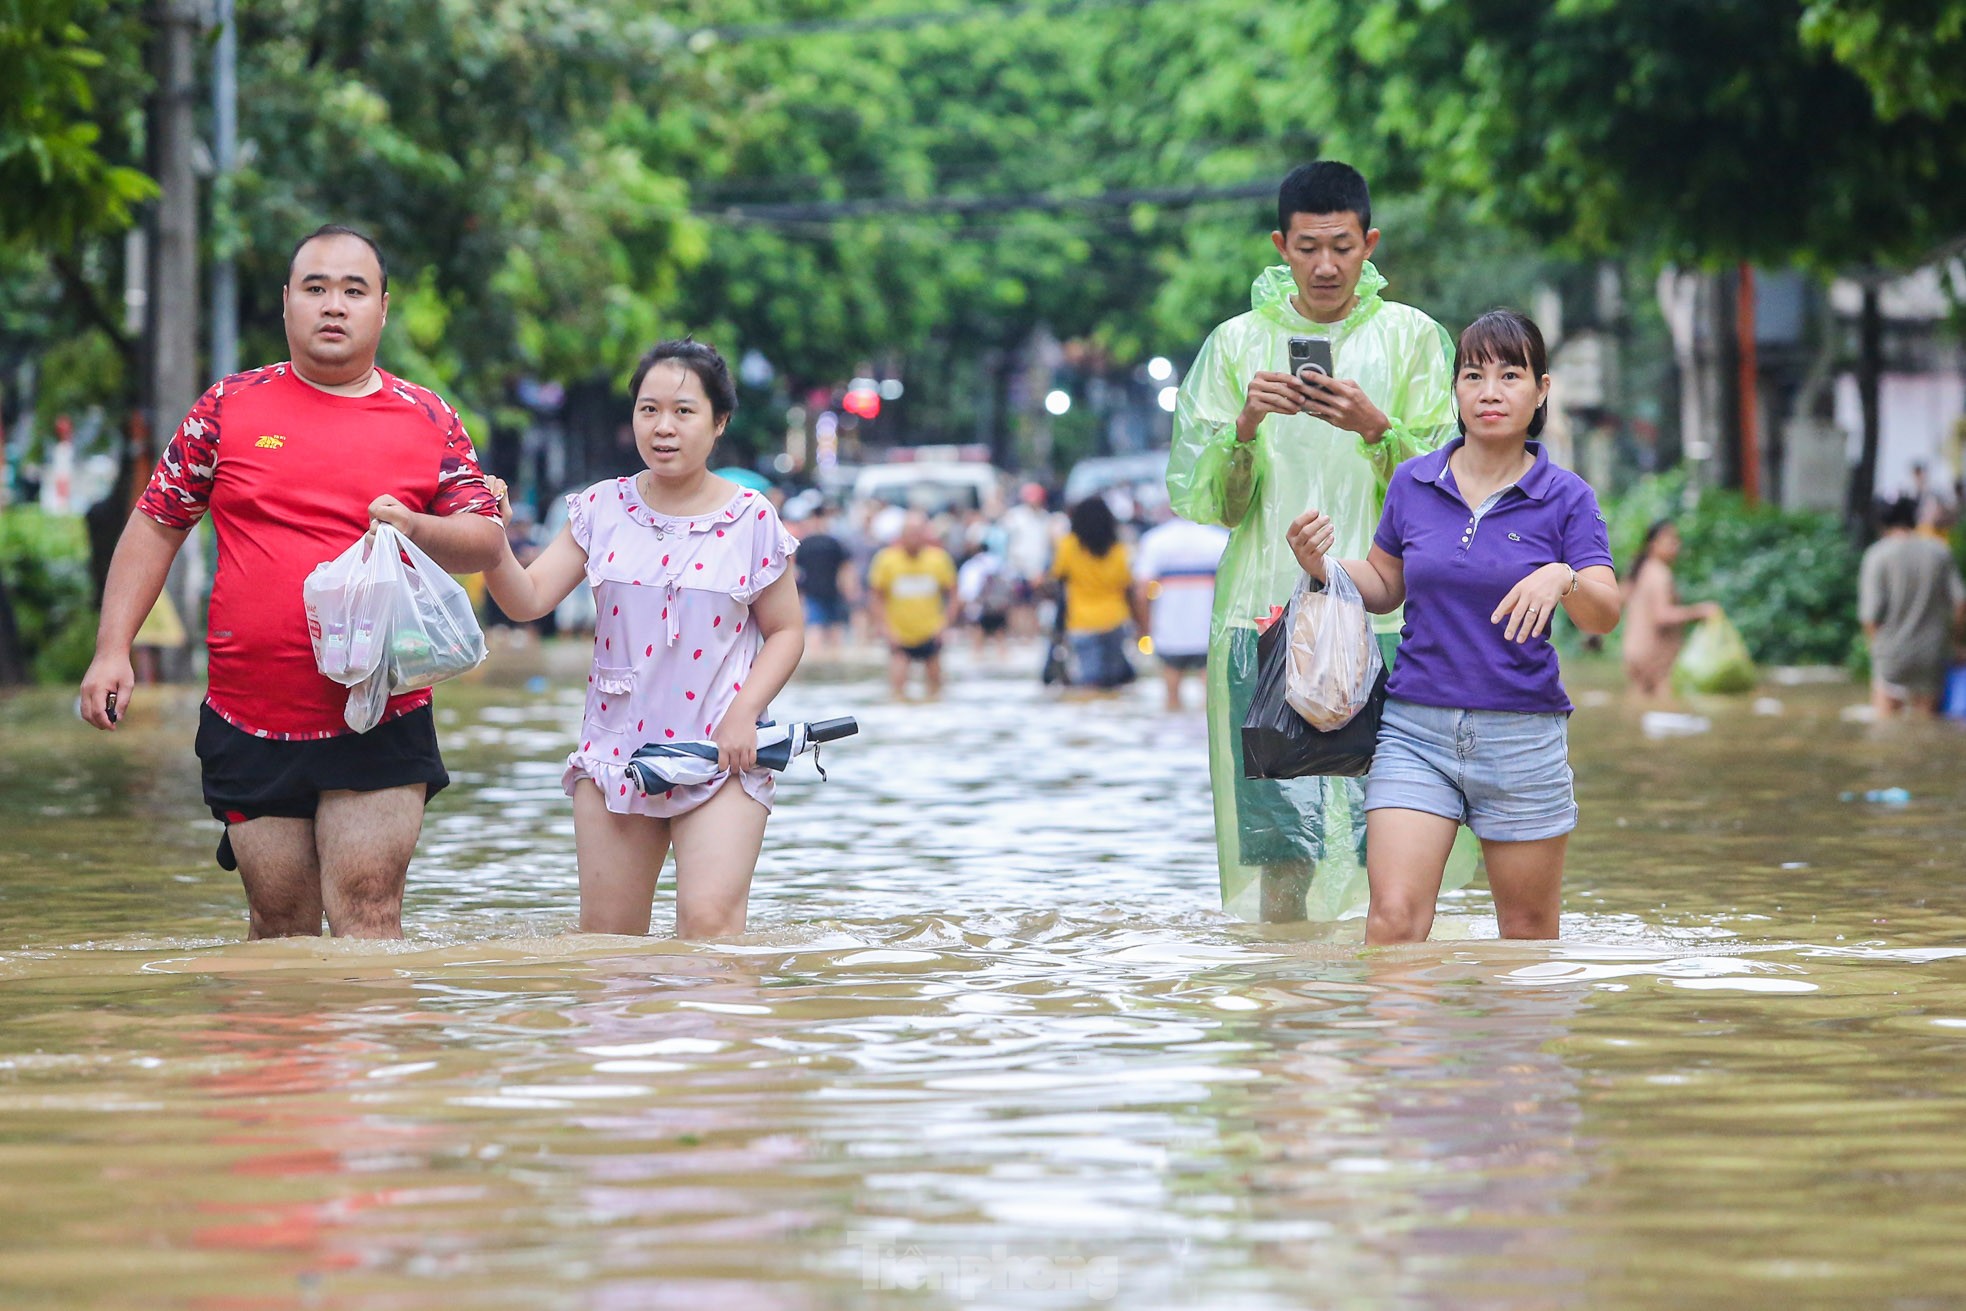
<point>921,651</point>
<point>247,777</point>
<point>1185,664</point>
<point>992,622</point>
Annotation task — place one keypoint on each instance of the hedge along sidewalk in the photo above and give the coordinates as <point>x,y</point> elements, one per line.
<point>44,570</point>
<point>1787,578</point>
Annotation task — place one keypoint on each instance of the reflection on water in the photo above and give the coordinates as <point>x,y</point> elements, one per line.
<point>990,1042</point>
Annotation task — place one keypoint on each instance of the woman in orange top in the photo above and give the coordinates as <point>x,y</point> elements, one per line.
<point>1097,571</point>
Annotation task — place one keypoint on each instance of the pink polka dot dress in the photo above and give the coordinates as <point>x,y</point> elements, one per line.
<point>673,638</point>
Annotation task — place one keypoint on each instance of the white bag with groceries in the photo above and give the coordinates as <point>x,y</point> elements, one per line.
<point>1334,656</point>
<point>386,619</point>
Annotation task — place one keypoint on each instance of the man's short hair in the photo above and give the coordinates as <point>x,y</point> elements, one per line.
<point>337,230</point>
<point>1326,187</point>
<point>1901,513</point>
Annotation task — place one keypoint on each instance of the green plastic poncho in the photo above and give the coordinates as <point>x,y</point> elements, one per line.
<point>1403,360</point>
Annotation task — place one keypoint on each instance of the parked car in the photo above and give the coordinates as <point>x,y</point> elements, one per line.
<point>1133,484</point>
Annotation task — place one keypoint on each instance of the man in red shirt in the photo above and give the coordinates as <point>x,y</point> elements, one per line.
<point>294,461</point>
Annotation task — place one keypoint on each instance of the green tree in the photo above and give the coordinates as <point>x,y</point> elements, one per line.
<point>1908,52</point>
<point>1682,129</point>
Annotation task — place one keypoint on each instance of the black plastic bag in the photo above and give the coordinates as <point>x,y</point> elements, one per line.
<point>1277,743</point>
<point>1058,651</point>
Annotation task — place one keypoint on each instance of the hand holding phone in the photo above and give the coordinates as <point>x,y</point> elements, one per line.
<point>1310,355</point>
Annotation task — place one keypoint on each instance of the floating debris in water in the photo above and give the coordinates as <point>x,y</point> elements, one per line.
<point>1880,796</point>
<point>1667,723</point>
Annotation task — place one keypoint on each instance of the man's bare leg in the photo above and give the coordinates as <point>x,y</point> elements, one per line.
<point>365,841</point>
<point>932,675</point>
<point>282,875</point>
<point>620,861</point>
<point>1172,677</point>
<point>1284,888</point>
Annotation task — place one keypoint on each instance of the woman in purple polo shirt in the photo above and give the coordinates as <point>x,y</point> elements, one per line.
<point>1482,540</point>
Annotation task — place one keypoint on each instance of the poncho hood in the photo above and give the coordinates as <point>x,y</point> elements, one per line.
<point>1270,297</point>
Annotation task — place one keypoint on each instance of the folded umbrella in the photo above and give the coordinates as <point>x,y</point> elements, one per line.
<point>661,765</point>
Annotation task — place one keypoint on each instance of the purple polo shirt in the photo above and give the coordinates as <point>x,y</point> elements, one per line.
<point>1460,563</point>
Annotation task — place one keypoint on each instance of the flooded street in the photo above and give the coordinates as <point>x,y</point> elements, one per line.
<point>990,1041</point>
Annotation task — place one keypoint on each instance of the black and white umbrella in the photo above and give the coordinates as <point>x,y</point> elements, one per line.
<point>662,765</point>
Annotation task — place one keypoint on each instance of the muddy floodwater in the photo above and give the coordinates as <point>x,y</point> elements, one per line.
<point>990,1040</point>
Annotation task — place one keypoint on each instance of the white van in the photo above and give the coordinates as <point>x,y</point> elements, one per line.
<point>932,486</point>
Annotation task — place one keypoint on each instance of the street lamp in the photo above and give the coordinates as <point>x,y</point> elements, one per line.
<point>1057,402</point>
<point>1160,368</point>
<point>1168,396</point>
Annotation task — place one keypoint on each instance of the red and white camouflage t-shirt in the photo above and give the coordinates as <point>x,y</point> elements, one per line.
<point>287,472</point>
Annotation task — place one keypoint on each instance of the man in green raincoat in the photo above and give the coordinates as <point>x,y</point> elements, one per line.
<point>1253,448</point>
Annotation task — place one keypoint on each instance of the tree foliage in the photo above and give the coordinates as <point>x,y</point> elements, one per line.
<point>1680,129</point>
<point>57,184</point>
<point>922,184</point>
<point>1910,53</point>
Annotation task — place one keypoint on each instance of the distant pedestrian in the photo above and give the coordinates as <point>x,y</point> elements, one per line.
<point>826,580</point>
<point>1096,569</point>
<point>1911,601</point>
<point>1655,621</point>
<point>988,592</point>
<point>1028,532</point>
<point>911,590</point>
<point>1174,574</point>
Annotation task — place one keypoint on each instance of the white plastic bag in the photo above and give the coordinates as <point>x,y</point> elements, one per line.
<point>386,619</point>
<point>348,611</point>
<point>1334,656</point>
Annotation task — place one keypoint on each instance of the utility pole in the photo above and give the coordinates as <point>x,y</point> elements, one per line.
<point>172,305</point>
<point>225,158</point>
<point>173,301</point>
<point>1747,386</point>
<point>1870,367</point>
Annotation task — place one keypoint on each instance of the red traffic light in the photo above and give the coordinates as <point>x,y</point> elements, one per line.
<point>862,401</point>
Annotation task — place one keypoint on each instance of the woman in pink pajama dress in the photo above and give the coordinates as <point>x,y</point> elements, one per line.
<point>699,626</point>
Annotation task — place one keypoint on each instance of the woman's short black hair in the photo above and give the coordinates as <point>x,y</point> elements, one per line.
<point>1504,336</point>
<point>1094,525</point>
<point>700,359</point>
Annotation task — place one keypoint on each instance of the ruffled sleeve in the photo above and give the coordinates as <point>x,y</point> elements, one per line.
<point>772,549</point>
<point>580,518</point>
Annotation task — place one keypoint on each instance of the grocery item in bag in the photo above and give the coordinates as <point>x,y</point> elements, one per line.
<point>1277,741</point>
<point>1715,659</point>
<point>1334,658</point>
<point>386,619</point>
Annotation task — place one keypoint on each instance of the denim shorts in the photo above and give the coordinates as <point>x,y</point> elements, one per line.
<point>825,612</point>
<point>1505,775</point>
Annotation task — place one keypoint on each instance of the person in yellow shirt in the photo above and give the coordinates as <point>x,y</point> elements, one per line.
<point>911,589</point>
<point>1097,571</point>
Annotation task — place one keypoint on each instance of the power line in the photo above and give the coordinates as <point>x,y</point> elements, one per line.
<point>703,37</point>
<point>836,211</point>
<point>928,227</point>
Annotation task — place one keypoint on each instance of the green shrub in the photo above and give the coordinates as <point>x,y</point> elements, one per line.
<point>1787,578</point>
<point>65,657</point>
<point>45,562</point>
